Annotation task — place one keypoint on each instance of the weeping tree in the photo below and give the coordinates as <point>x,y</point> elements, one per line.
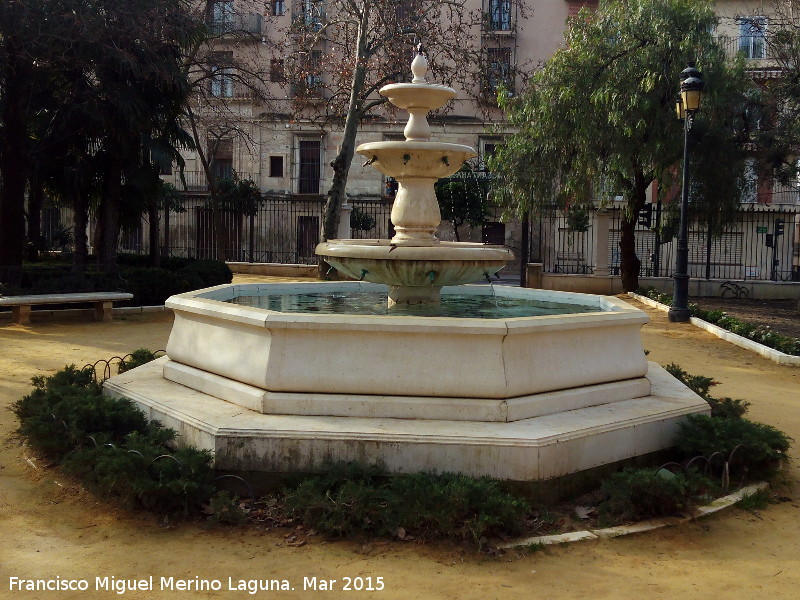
<point>463,198</point>
<point>598,120</point>
<point>349,49</point>
<point>229,62</point>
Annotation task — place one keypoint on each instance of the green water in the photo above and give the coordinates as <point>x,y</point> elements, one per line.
<point>374,303</point>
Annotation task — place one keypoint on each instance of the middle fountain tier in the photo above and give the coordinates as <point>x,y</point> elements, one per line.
<point>415,264</point>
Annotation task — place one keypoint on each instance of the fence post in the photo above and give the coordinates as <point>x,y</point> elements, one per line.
<point>708,246</point>
<point>524,249</point>
<point>343,232</point>
<point>165,250</point>
<point>601,223</point>
<point>251,238</point>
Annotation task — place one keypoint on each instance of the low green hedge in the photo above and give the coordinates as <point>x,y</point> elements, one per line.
<point>110,444</point>
<point>351,498</point>
<point>149,285</point>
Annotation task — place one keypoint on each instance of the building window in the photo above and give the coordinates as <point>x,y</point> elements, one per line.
<point>278,8</point>
<point>494,233</point>
<point>276,166</point>
<point>752,37</point>
<point>312,81</point>
<point>498,69</point>
<point>486,148</point>
<point>500,15</point>
<point>221,154</point>
<point>221,16</point>
<point>309,166</point>
<point>276,71</point>
<point>408,11</point>
<point>221,80</point>
<point>313,14</point>
<point>390,187</point>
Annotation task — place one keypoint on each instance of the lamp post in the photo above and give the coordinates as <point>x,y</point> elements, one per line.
<point>687,105</point>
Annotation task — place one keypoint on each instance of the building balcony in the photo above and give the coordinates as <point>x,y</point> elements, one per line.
<point>197,182</point>
<point>242,24</point>
<point>755,49</point>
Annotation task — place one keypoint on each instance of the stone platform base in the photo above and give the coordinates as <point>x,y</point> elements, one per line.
<point>532,449</point>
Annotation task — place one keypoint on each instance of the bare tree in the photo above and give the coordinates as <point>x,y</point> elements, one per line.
<point>230,73</point>
<point>346,50</point>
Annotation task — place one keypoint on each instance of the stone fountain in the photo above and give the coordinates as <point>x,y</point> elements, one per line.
<point>277,378</point>
<point>414,263</point>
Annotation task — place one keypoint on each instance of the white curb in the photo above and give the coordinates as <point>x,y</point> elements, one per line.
<point>779,357</point>
<point>649,525</point>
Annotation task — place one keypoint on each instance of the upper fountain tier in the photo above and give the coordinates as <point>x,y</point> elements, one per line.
<point>417,157</point>
<point>414,263</point>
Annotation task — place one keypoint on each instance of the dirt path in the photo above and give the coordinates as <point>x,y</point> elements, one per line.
<point>48,528</point>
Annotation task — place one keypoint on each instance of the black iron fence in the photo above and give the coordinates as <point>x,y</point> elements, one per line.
<point>763,243</point>
<point>281,229</point>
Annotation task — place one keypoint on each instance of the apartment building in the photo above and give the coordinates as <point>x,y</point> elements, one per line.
<point>287,152</point>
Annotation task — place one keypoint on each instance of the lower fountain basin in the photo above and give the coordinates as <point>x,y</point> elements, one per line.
<point>526,399</point>
<point>390,356</point>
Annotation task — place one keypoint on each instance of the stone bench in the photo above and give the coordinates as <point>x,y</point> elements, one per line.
<point>102,301</point>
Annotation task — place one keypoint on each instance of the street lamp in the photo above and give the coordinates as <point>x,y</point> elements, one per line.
<point>687,104</point>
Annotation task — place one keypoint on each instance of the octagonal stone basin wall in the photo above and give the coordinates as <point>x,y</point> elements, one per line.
<point>405,356</point>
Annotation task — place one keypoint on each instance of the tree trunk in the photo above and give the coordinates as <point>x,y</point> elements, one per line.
<point>629,263</point>
<point>80,219</point>
<point>219,232</point>
<point>155,246</point>
<point>35,204</point>
<point>341,164</point>
<point>108,216</point>
<point>14,162</point>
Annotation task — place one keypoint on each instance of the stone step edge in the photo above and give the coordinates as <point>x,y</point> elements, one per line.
<point>774,355</point>
<point>640,527</point>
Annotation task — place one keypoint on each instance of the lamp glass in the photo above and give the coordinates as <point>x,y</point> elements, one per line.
<point>679,108</point>
<point>691,99</point>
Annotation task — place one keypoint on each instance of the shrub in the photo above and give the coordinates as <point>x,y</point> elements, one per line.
<point>63,411</point>
<point>225,509</point>
<point>762,334</point>
<point>644,493</point>
<point>760,448</point>
<point>110,445</point>
<point>350,498</point>
<point>149,285</point>
<point>699,384</point>
<point>137,358</point>
<point>728,408</point>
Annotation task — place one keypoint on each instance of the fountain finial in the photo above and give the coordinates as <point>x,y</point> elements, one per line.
<point>419,66</point>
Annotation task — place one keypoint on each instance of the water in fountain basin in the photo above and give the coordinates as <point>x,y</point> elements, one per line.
<point>374,303</point>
